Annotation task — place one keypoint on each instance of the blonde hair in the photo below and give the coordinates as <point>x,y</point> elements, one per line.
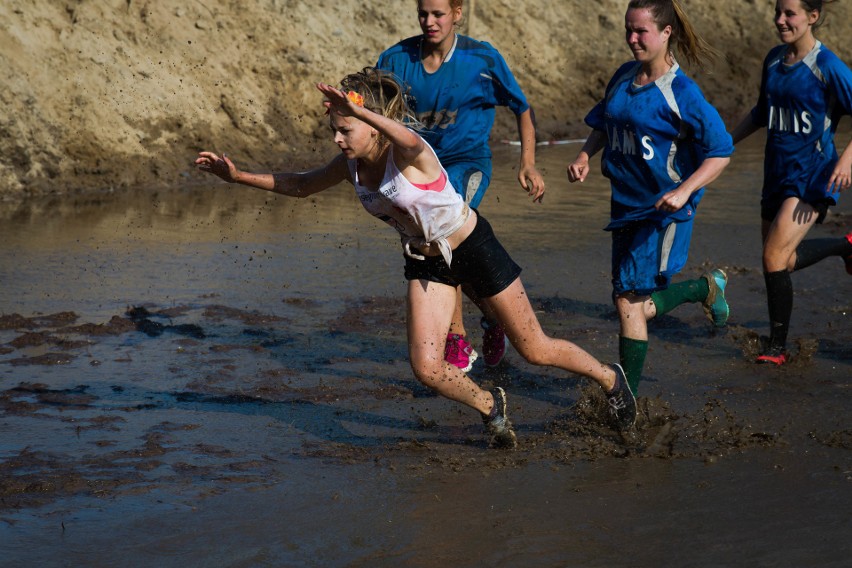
<point>382,93</point>
<point>670,13</point>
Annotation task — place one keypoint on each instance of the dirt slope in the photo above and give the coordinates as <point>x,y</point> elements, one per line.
<point>108,94</point>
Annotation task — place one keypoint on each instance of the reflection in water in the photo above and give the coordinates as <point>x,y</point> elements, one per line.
<point>254,249</point>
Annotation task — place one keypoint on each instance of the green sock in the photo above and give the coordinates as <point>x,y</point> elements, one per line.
<point>680,293</point>
<point>631,355</point>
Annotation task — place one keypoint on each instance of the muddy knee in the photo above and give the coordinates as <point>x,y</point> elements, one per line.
<point>428,370</point>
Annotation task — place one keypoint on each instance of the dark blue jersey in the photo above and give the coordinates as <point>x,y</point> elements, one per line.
<point>457,102</point>
<point>657,135</point>
<point>800,106</point>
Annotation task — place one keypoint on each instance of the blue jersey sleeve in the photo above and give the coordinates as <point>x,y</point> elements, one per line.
<point>760,112</point>
<point>704,125</point>
<point>595,118</point>
<point>393,60</point>
<point>506,91</point>
<point>839,80</point>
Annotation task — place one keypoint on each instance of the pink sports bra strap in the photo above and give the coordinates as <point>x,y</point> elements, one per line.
<point>436,185</point>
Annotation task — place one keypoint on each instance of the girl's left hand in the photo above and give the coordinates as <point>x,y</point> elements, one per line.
<point>218,166</point>
<point>672,201</point>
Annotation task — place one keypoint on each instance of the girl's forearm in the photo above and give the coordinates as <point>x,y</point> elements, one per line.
<point>744,129</point>
<point>526,132</point>
<point>284,183</point>
<point>397,133</point>
<point>259,181</point>
<point>594,143</point>
<point>707,172</point>
<point>298,184</point>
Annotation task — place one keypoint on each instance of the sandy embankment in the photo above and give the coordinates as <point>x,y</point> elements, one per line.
<point>119,94</point>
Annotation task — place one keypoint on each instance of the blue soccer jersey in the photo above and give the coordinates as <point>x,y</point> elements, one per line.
<point>657,135</point>
<point>800,106</point>
<point>457,102</point>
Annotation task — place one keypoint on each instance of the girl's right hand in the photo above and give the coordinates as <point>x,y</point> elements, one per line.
<point>841,177</point>
<point>222,167</point>
<point>578,169</point>
<point>339,102</point>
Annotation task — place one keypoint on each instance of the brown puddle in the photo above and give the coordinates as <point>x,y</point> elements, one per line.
<point>246,376</point>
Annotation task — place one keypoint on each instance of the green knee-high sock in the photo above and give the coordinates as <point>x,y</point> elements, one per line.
<point>631,355</point>
<point>680,293</point>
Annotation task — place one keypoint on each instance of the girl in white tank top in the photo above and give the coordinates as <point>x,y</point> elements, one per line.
<point>424,214</point>
<point>380,155</point>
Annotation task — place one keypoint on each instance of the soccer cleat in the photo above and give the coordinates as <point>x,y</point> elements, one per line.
<point>497,423</point>
<point>775,356</point>
<point>493,343</point>
<point>622,403</point>
<point>715,305</point>
<point>848,259</point>
<point>459,352</point>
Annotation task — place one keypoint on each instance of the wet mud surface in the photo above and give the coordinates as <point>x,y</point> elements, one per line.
<point>252,358</point>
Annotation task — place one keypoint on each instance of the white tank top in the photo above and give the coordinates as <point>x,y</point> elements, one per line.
<point>422,216</point>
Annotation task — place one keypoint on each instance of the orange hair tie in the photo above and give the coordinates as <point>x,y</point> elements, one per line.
<point>355,98</point>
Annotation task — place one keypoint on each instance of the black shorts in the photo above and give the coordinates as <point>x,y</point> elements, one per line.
<point>769,208</point>
<point>480,261</point>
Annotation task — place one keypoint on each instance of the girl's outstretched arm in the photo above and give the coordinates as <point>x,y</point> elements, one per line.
<point>295,184</point>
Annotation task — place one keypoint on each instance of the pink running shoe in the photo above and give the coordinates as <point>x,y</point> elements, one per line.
<point>493,343</point>
<point>776,356</point>
<point>459,352</point>
<point>848,259</point>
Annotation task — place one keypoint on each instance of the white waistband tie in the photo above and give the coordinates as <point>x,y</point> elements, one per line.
<point>439,240</point>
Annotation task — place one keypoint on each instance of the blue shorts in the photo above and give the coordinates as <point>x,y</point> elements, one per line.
<point>480,261</point>
<point>470,179</point>
<point>646,255</point>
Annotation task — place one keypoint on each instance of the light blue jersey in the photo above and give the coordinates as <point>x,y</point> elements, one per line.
<point>657,136</point>
<point>457,102</point>
<point>800,106</point>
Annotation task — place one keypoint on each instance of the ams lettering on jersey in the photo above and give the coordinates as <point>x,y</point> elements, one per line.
<point>788,120</point>
<point>625,142</point>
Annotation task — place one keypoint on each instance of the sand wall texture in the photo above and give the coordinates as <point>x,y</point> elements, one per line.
<point>111,94</point>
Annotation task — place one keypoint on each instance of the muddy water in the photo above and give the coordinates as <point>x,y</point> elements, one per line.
<point>218,377</point>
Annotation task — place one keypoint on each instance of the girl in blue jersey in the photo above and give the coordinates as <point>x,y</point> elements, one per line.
<point>399,179</point>
<point>663,143</point>
<point>805,89</point>
<point>456,83</point>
